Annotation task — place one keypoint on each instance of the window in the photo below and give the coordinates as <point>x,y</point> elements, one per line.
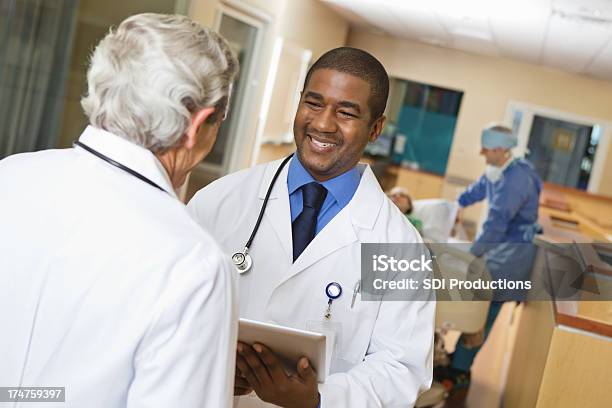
<point>44,50</point>
<point>422,119</point>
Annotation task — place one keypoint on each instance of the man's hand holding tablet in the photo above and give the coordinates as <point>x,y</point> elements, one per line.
<point>281,364</point>
<point>263,371</point>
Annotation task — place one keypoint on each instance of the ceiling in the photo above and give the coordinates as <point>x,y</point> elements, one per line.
<point>572,35</point>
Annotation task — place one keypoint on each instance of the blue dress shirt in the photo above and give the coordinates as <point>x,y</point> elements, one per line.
<point>340,190</point>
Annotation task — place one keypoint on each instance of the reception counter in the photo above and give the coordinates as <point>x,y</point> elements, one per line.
<point>562,355</point>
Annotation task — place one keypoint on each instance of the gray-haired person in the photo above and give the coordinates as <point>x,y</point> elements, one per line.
<point>107,286</point>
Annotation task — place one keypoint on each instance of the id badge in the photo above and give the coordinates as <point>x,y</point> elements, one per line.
<point>332,332</point>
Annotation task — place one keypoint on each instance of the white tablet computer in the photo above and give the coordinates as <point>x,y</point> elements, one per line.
<point>287,343</point>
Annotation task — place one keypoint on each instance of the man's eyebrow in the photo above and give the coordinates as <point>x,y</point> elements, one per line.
<point>342,104</point>
<point>350,105</point>
<point>314,95</point>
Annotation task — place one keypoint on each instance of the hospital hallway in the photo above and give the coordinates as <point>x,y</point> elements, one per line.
<point>142,149</point>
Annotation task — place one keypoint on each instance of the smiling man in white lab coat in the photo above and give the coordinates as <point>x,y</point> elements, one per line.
<point>107,286</point>
<point>323,206</point>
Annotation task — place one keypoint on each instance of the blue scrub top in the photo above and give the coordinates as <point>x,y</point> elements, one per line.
<point>505,240</point>
<point>513,205</point>
<point>340,190</point>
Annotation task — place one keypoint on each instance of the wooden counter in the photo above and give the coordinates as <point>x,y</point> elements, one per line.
<point>574,210</point>
<point>563,351</point>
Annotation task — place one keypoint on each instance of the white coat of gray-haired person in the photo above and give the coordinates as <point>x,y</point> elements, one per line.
<point>109,292</point>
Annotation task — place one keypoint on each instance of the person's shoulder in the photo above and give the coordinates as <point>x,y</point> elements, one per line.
<point>23,169</point>
<point>169,227</point>
<point>520,165</point>
<point>232,183</point>
<point>28,159</point>
<point>201,255</point>
<point>234,186</point>
<point>520,170</point>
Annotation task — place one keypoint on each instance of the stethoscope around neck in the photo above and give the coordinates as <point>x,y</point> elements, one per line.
<point>243,260</point>
<point>118,165</point>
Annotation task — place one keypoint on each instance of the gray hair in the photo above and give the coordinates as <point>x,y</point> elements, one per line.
<point>148,77</point>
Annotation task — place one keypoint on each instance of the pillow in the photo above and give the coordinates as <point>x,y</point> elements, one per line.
<point>438,217</point>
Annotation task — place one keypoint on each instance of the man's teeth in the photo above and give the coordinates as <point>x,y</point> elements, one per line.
<point>321,144</point>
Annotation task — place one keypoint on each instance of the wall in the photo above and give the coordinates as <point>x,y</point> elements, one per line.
<point>489,84</point>
<point>285,94</point>
<point>312,25</point>
<point>291,19</point>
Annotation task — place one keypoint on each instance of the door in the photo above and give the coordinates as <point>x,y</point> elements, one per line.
<point>561,151</point>
<point>243,34</point>
<point>565,148</point>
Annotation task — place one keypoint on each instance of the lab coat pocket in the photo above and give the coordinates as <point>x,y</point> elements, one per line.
<point>358,326</point>
<point>333,337</point>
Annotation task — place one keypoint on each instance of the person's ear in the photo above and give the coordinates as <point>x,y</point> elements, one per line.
<point>198,119</point>
<point>376,128</point>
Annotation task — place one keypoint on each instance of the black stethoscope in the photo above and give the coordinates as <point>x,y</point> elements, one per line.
<point>118,165</point>
<point>242,260</point>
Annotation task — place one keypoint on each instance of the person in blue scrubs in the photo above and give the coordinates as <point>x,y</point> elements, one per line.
<point>512,188</point>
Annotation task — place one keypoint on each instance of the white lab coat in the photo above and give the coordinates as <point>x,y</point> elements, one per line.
<point>395,338</point>
<point>107,285</point>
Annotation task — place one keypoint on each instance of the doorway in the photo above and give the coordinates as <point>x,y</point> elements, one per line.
<point>244,35</point>
<point>565,148</point>
<point>563,152</point>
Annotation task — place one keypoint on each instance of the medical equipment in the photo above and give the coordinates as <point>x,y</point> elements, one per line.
<point>118,165</point>
<point>243,260</point>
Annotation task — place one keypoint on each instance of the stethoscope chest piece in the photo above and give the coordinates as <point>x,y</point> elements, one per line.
<point>242,261</point>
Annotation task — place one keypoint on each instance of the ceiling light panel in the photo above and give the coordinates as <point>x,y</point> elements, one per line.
<point>415,19</point>
<point>519,28</point>
<point>370,11</point>
<point>348,14</point>
<point>587,10</point>
<point>572,44</point>
<point>601,66</point>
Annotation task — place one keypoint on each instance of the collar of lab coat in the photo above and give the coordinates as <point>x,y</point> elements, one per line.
<point>362,211</point>
<point>129,154</point>
<point>364,206</point>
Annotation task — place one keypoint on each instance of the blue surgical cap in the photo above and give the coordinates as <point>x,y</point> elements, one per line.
<point>493,139</point>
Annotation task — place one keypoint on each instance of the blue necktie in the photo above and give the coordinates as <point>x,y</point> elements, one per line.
<point>304,226</point>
